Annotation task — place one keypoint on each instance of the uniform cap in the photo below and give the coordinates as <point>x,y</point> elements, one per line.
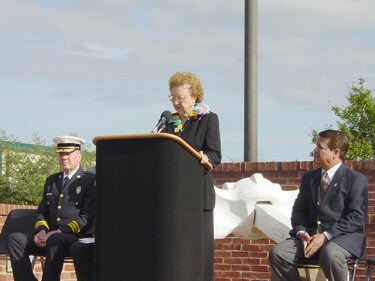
<point>68,143</point>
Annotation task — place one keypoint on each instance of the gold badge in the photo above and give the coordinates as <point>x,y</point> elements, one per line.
<point>78,190</point>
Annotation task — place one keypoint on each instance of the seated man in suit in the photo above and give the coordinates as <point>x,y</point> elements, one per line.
<point>65,214</point>
<point>328,216</point>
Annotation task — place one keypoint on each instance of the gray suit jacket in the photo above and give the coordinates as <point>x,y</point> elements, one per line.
<point>341,213</point>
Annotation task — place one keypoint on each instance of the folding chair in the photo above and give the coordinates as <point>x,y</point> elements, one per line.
<point>314,264</point>
<point>18,220</point>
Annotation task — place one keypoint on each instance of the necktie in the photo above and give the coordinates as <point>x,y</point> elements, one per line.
<point>66,180</point>
<point>324,185</point>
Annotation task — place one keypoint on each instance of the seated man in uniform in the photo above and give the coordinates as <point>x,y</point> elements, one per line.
<point>65,214</point>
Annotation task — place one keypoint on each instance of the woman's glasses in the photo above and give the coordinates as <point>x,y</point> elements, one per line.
<point>179,99</point>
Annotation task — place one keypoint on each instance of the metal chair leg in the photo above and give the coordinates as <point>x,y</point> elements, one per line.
<point>370,266</point>
<point>354,270</point>
<point>368,274</point>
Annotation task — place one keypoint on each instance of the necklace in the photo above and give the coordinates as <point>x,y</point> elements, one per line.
<point>197,113</point>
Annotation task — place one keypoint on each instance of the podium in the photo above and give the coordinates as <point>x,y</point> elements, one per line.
<point>149,207</point>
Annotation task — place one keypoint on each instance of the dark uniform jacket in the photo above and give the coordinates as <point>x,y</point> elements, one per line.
<point>342,212</point>
<point>70,209</point>
<point>202,133</point>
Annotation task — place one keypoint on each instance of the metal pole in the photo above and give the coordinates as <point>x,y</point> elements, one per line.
<point>251,81</point>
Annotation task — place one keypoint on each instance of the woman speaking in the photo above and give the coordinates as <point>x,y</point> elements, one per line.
<point>199,127</point>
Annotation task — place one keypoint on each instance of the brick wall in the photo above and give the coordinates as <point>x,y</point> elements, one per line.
<point>243,259</point>
<point>247,260</point>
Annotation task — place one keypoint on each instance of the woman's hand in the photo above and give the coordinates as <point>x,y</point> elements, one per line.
<point>204,158</point>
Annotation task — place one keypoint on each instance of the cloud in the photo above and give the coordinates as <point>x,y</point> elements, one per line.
<point>114,58</point>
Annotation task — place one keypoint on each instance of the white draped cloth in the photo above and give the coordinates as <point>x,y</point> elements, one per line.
<point>253,208</point>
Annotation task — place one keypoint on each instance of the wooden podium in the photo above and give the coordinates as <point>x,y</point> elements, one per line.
<point>149,206</point>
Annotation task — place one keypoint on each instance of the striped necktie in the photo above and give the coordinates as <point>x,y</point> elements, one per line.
<point>324,185</point>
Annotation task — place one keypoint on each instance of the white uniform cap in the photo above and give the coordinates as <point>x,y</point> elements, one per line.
<point>68,143</point>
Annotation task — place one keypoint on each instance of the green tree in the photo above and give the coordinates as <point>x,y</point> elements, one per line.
<point>25,167</point>
<point>357,120</point>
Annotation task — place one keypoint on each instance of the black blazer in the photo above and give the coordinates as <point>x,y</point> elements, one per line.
<point>342,212</point>
<point>203,134</point>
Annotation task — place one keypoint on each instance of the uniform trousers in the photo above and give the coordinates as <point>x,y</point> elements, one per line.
<point>83,257</point>
<point>332,259</point>
<point>21,245</point>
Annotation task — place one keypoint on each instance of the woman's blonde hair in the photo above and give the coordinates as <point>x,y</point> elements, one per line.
<point>182,78</point>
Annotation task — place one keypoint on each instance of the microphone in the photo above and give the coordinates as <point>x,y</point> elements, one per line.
<point>162,123</point>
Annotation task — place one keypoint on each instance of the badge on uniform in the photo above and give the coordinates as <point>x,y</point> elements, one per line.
<point>78,189</point>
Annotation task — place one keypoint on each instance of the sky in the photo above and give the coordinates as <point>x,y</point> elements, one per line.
<point>101,67</point>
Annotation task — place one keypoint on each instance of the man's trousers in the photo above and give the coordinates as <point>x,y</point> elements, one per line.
<point>332,258</point>
<point>21,245</point>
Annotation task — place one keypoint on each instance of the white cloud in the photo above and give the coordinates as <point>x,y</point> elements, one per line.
<point>115,57</point>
